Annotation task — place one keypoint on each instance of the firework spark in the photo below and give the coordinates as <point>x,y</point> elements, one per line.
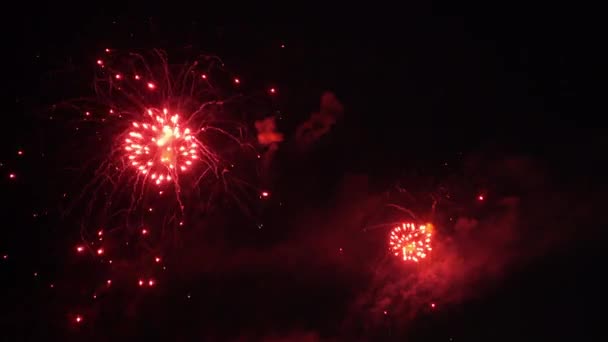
<point>411,242</point>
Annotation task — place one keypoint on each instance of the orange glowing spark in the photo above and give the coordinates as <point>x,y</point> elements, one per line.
<point>411,242</point>
<point>158,146</point>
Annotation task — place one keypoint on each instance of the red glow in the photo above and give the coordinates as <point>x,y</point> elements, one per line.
<point>118,76</point>
<point>151,85</point>
<point>109,282</point>
<point>237,81</point>
<point>5,256</point>
<point>265,194</point>
<point>141,282</point>
<point>137,77</point>
<point>203,76</point>
<point>151,282</point>
<point>433,305</point>
<point>100,232</point>
<point>20,152</point>
<point>52,285</point>
<point>107,50</point>
<point>181,223</point>
<point>273,90</point>
<point>100,62</point>
<point>480,197</point>
<point>157,259</point>
<point>79,249</point>
<point>100,251</point>
<point>282,46</point>
<point>78,319</point>
<point>385,312</point>
<point>11,176</point>
<point>144,231</point>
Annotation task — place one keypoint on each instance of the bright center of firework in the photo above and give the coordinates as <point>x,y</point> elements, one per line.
<point>159,147</point>
<point>412,242</point>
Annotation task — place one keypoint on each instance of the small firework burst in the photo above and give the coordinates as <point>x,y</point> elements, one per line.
<point>158,147</point>
<point>411,242</point>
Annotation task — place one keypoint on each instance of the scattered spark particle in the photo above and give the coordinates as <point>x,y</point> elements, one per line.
<point>282,46</point>
<point>141,282</point>
<point>79,249</point>
<point>137,77</point>
<point>100,232</point>
<point>265,194</point>
<point>188,296</point>
<point>150,209</point>
<point>151,282</point>
<point>341,250</point>
<point>52,285</point>
<point>100,251</point>
<point>480,197</point>
<point>118,76</point>
<point>157,259</point>
<point>385,312</point>
<point>110,261</point>
<point>20,152</point>
<point>100,62</point>
<point>144,231</point>
<point>433,305</point>
<point>203,76</point>
<point>94,296</point>
<point>181,223</point>
<point>5,256</point>
<point>151,85</point>
<point>107,50</point>
<point>237,81</point>
<point>35,274</point>
<point>273,90</point>
<point>11,176</point>
<point>78,319</point>
<point>109,281</point>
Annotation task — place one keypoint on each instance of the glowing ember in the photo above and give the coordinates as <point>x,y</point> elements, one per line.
<point>78,319</point>
<point>410,242</point>
<point>79,249</point>
<point>157,259</point>
<point>480,197</point>
<point>158,146</point>
<point>265,194</point>
<point>100,251</point>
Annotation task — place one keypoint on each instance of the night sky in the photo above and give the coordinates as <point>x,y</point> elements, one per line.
<point>486,121</point>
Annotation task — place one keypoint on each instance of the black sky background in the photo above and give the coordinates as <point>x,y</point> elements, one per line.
<point>421,85</point>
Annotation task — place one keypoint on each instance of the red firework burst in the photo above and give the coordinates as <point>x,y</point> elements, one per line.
<point>158,146</point>
<point>412,242</point>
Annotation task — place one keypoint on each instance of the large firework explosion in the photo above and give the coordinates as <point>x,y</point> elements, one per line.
<point>168,144</point>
